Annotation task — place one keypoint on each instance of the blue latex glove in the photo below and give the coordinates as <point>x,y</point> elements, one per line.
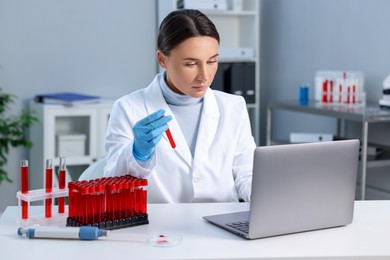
<point>147,133</point>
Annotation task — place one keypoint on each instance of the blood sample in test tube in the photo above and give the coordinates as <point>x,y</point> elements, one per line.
<point>131,199</point>
<point>49,188</point>
<point>137,197</point>
<point>144,183</point>
<point>170,138</point>
<point>24,186</point>
<point>61,184</point>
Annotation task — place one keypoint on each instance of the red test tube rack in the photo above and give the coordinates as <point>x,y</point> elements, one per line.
<point>108,203</point>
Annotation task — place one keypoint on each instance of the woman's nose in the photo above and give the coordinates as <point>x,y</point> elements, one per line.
<point>203,75</point>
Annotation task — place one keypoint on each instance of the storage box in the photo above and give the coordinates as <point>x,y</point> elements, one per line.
<point>236,53</point>
<point>71,145</point>
<point>310,137</point>
<point>203,4</point>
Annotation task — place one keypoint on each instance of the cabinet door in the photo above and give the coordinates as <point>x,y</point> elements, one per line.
<point>103,117</point>
<point>71,126</point>
<point>71,132</point>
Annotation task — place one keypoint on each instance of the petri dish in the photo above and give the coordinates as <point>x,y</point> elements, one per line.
<point>164,239</point>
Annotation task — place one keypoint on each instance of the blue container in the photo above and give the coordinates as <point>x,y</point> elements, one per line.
<point>303,95</point>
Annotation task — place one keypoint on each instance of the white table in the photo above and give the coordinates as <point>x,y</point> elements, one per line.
<point>368,237</point>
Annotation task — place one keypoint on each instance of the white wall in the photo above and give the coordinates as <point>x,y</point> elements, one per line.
<point>97,47</point>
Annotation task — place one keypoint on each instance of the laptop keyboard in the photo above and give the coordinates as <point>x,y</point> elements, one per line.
<point>242,226</point>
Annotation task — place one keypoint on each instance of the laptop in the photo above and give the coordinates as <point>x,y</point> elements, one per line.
<point>296,188</point>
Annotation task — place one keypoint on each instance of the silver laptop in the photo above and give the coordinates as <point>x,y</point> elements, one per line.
<point>296,188</point>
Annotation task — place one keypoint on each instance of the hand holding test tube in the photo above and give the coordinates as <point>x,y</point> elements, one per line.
<point>148,132</point>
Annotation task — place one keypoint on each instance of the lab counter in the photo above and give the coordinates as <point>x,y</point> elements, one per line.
<point>368,237</point>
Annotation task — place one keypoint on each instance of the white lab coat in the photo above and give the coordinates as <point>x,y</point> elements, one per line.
<point>221,169</point>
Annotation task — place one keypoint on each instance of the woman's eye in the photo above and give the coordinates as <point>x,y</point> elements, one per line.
<point>212,61</point>
<point>190,64</point>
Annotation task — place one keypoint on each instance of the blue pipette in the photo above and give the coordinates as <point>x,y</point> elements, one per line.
<point>82,233</point>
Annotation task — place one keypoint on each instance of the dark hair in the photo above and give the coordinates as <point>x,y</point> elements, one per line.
<point>182,24</point>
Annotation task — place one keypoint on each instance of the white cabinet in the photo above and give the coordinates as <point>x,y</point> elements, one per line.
<point>76,133</point>
<point>238,24</point>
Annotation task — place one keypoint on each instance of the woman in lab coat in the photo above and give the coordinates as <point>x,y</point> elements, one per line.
<point>213,157</point>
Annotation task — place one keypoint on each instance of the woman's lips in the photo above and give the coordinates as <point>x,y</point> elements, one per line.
<point>199,88</point>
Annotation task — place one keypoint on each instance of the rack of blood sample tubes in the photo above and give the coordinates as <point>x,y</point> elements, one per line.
<point>108,203</point>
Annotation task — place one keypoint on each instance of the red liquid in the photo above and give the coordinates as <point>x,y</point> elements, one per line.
<point>143,198</point>
<point>107,199</point>
<point>61,185</point>
<point>325,91</point>
<point>170,138</point>
<point>24,190</point>
<point>49,189</point>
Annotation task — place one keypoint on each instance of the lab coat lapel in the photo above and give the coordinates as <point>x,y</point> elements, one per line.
<point>154,100</point>
<point>208,126</point>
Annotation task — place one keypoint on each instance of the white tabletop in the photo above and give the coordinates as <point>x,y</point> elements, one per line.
<point>368,237</point>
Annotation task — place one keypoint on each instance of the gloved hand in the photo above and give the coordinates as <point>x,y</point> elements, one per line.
<point>147,133</point>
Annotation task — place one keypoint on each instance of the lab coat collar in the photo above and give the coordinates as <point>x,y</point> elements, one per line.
<point>208,126</point>
<point>210,105</point>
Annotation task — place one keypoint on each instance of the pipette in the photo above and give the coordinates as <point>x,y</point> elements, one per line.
<point>93,233</point>
<point>82,233</point>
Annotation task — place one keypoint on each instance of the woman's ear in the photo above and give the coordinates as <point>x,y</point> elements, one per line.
<point>161,59</point>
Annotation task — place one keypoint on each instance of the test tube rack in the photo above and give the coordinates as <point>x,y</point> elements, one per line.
<point>108,203</point>
<point>57,219</point>
<point>340,88</point>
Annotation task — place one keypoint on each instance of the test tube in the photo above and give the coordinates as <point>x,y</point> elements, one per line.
<point>99,203</point>
<point>24,186</point>
<point>71,201</point>
<point>131,199</point>
<point>143,199</point>
<point>325,91</point>
<point>331,91</point>
<point>170,138</point>
<point>125,198</point>
<point>49,188</point>
<point>119,194</point>
<point>137,197</point>
<point>61,184</point>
